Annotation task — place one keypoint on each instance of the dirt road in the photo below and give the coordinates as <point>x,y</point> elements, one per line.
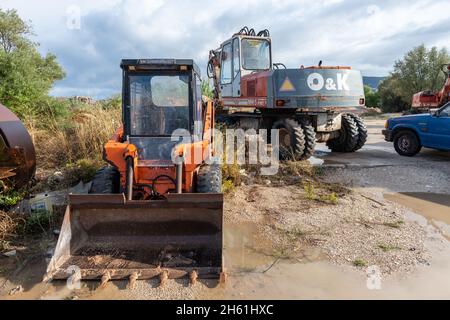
<point>386,236</point>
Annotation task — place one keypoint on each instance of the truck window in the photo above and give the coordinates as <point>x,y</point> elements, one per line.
<point>445,112</point>
<point>226,64</point>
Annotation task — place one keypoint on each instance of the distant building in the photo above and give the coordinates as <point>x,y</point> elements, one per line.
<point>373,82</point>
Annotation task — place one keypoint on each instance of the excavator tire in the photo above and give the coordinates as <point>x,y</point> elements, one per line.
<point>310,140</point>
<point>348,139</point>
<point>362,131</point>
<point>292,139</point>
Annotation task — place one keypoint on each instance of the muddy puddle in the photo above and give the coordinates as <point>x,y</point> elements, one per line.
<point>255,272</point>
<point>434,207</point>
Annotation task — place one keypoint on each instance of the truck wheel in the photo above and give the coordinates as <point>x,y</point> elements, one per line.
<point>209,178</point>
<point>348,138</point>
<point>310,140</point>
<point>406,143</point>
<point>292,139</point>
<point>362,131</point>
<point>106,181</point>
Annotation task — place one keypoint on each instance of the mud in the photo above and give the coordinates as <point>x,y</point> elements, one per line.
<point>432,206</point>
<point>281,242</point>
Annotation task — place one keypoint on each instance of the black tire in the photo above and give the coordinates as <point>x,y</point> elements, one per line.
<point>362,131</point>
<point>209,178</point>
<point>348,138</point>
<point>292,139</point>
<point>406,143</point>
<point>310,140</point>
<point>106,181</point>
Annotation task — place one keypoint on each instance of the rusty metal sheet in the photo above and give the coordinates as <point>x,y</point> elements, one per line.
<point>17,149</point>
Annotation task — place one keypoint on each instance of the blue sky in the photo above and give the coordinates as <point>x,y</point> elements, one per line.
<point>368,36</point>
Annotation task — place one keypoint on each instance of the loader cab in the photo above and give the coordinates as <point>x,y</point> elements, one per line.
<point>242,55</point>
<point>160,96</point>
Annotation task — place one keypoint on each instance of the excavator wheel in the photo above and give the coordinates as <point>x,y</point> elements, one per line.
<point>348,138</point>
<point>362,131</point>
<point>209,178</point>
<point>106,181</point>
<point>292,139</point>
<point>310,140</point>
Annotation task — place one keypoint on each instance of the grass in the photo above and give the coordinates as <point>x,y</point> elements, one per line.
<point>13,225</point>
<point>10,198</point>
<point>228,186</point>
<point>80,135</point>
<point>8,227</point>
<point>39,222</point>
<point>312,193</point>
<point>387,247</point>
<point>396,224</point>
<point>360,263</point>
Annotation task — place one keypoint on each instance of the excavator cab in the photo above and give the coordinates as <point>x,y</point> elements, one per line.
<point>156,210</point>
<point>246,52</point>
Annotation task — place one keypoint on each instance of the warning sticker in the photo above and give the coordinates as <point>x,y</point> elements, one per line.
<point>287,85</point>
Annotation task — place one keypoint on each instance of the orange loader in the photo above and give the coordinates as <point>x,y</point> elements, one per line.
<point>157,209</point>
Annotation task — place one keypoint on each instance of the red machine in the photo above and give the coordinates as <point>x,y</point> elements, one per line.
<point>307,105</point>
<point>425,100</point>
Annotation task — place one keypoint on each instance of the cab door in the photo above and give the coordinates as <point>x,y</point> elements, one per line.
<point>226,70</point>
<point>236,68</point>
<point>439,129</point>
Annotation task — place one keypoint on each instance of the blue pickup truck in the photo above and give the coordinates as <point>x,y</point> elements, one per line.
<point>411,133</point>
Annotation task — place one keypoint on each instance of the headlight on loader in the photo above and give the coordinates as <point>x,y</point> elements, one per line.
<point>386,124</point>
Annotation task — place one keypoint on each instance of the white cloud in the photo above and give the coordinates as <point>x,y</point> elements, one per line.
<point>367,36</point>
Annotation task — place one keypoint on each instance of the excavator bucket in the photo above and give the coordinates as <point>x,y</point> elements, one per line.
<point>17,154</point>
<point>107,237</point>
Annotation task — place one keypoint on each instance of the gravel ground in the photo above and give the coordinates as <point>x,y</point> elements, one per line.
<point>357,230</point>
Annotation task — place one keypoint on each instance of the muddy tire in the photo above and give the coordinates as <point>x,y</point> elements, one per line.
<point>310,140</point>
<point>209,178</point>
<point>348,138</point>
<point>406,143</point>
<point>106,181</point>
<point>292,139</point>
<point>362,131</point>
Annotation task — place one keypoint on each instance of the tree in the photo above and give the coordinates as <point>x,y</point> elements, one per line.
<point>26,77</point>
<point>420,69</point>
<point>390,99</point>
<point>207,90</point>
<point>13,31</point>
<point>372,97</point>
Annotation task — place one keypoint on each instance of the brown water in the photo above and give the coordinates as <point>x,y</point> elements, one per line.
<point>434,207</point>
<point>255,273</point>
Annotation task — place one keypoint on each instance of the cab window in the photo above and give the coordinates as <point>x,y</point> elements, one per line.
<point>255,54</point>
<point>226,64</point>
<point>236,58</point>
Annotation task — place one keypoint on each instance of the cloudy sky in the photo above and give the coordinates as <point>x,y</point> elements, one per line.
<point>369,36</point>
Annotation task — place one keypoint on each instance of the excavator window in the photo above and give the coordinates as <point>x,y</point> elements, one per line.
<point>236,58</point>
<point>255,54</point>
<point>226,64</point>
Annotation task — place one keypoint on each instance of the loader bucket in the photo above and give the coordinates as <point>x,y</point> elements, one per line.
<point>106,234</point>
